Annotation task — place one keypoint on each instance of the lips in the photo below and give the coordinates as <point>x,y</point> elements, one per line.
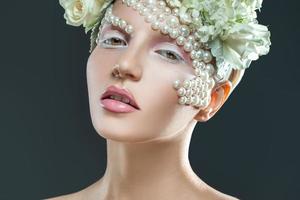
<point>113,90</point>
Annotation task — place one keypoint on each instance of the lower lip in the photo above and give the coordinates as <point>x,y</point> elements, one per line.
<point>116,106</point>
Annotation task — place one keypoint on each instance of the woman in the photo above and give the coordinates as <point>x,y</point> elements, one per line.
<point>157,68</point>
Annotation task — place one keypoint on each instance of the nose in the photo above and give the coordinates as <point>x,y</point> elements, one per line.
<point>130,66</point>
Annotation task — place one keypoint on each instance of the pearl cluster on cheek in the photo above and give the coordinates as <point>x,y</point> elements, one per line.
<point>195,92</point>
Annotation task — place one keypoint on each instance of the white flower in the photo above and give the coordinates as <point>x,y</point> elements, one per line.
<point>231,29</point>
<point>244,43</point>
<point>82,12</point>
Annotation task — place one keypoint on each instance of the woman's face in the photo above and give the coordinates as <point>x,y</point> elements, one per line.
<point>148,60</point>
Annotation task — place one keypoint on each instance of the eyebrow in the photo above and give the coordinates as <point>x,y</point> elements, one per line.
<point>157,38</point>
<point>117,28</point>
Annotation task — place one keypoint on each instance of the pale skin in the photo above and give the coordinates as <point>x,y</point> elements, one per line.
<point>147,150</point>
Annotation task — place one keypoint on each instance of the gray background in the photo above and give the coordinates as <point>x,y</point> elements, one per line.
<point>49,147</point>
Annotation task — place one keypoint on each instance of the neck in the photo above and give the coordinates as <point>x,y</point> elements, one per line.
<point>146,168</point>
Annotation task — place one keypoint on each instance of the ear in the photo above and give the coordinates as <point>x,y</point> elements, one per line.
<point>218,97</point>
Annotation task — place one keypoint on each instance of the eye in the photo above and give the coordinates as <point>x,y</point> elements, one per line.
<point>112,42</point>
<point>170,55</point>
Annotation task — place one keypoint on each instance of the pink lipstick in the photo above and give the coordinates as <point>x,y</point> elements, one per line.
<point>118,100</point>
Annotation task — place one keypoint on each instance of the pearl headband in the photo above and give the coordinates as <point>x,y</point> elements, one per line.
<point>195,92</point>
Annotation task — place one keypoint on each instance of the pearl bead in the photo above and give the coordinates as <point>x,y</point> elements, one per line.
<point>205,76</point>
<point>181,91</point>
<point>164,29</point>
<point>186,84</point>
<point>161,4</point>
<point>167,10</point>
<point>144,11</point>
<point>193,82</point>
<point>129,29</point>
<point>207,57</point>
<point>202,65</point>
<point>182,100</point>
<point>190,39</point>
<point>188,100</point>
<point>149,18</point>
<point>184,31</point>
<point>203,81</point>
<point>188,92</point>
<point>172,21</point>
<point>210,69</point>
<point>155,25</point>
<point>175,11</point>
<point>196,45</point>
<point>161,17</point>
<point>187,46</point>
<point>193,91</point>
<point>176,84</point>
<point>195,63</point>
<point>122,24</point>
<point>201,94</point>
<point>205,87</point>
<point>200,104</point>
<point>193,54</point>
<point>150,2</point>
<point>210,83</point>
<point>180,40</point>
<point>139,6</point>
<point>199,54</point>
<point>196,100</point>
<point>198,72</point>
<point>173,33</point>
<point>115,22</point>
<point>185,18</point>
<point>206,102</point>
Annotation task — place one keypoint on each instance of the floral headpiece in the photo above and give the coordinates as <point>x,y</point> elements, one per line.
<point>224,29</point>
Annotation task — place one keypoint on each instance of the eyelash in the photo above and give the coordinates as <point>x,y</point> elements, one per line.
<point>164,52</point>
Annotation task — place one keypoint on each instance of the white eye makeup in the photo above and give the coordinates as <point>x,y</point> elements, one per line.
<point>114,39</point>
<point>169,52</point>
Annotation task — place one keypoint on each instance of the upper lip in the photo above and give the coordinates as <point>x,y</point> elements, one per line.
<point>114,90</point>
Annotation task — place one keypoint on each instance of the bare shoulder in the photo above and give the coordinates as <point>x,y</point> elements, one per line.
<point>213,194</point>
<point>72,196</point>
<point>222,196</point>
<point>85,193</point>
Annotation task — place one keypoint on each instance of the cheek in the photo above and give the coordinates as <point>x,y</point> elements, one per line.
<point>159,99</point>
<point>97,66</point>
<point>98,71</point>
<point>98,75</point>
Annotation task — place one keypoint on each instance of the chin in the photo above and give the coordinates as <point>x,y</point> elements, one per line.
<point>108,129</point>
